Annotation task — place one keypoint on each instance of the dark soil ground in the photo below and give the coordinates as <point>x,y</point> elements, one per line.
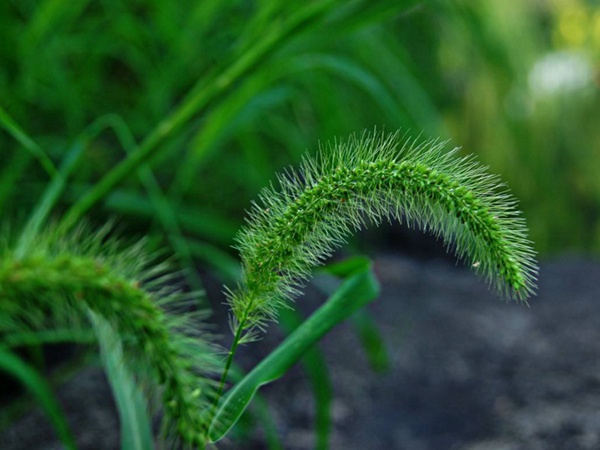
<point>468,371</point>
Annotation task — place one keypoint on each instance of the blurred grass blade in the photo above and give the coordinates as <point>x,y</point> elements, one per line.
<point>160,204</point>
<point>344,68</point>
<point>49,199</point>
<point>136,430</point>
<point>54,336</point>
<point>359,289</point>
<point>360,14</point>
<point>347,267</point>
<point>265,418</point>
<point>371,340</point>
<point>57,185</point>
<point>22,138</point>
<point>204,223</point>
<point>36,384</point>
<point>241,107</point>
<point>368,333</point>
<point>315,366</point>
<point>388,60</point>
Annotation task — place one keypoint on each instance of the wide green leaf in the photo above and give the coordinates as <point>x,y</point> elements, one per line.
<point>315,367</point>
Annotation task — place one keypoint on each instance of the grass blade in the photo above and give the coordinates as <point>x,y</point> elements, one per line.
<point>22,138</point>
<point>162,209</point>
<point>371,340</point>
<point>356,291</point>
<point>201,222</point>
<point>366,329</point>
<point>36,384</point>
<point>49,199</point>
<point>315,366</point>
<point>44,337</point>
<point>136,431</point>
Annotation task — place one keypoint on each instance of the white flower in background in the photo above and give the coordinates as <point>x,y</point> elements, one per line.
<point>560,73</point>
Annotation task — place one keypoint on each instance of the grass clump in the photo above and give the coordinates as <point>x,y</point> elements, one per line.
<point>54,278</point>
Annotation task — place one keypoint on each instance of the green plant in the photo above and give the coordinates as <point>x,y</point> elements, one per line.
<point>187,84</point>
<point>61,278</point>
<point>181,87</point>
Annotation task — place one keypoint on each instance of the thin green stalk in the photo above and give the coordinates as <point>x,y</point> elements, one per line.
<point>230,356</point>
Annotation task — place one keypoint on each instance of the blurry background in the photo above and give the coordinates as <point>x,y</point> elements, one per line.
<point>515,83</point>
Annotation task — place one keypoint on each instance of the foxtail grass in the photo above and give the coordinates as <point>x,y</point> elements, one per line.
<point>373,178</point>
<point>59,278</point>
<point>64,280</point>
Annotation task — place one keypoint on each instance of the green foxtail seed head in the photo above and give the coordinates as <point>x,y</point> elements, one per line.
<point>372,178</point>
<point>63,280</point>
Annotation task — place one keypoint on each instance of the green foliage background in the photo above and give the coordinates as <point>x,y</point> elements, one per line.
<point>458,69</point>
<point>214,97</point>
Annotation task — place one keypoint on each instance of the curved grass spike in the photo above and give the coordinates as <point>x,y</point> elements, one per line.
<point>372,178</point>
<point>62,281</point>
